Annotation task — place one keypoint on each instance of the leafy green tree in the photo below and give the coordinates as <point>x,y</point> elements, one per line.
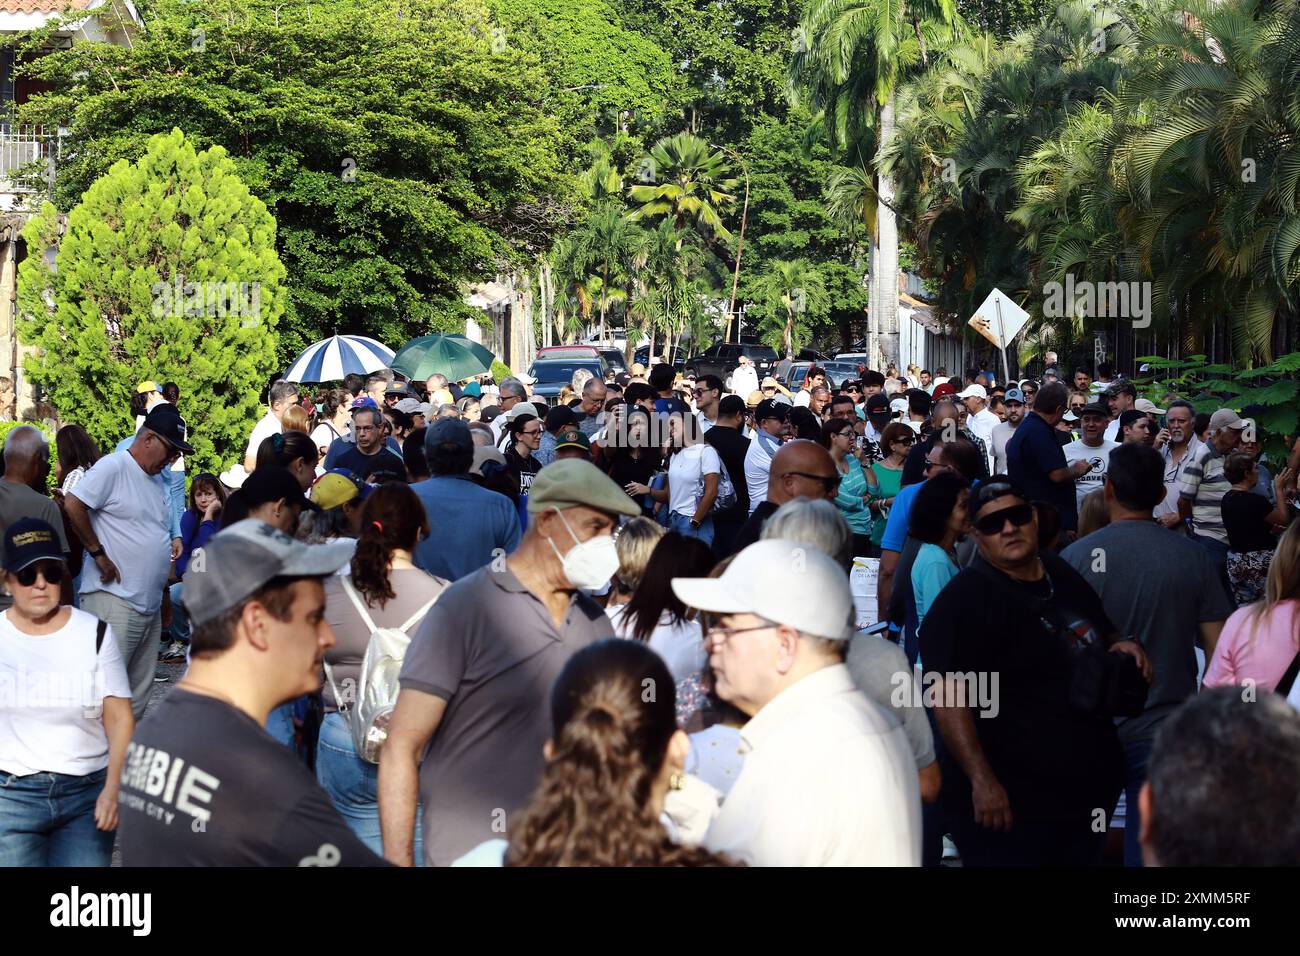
<point>789,219</point>
<point>791,296</point>
<point>404,147</point>
<point>683,179</point>
<point>167,270</point>
<point>604,244</point>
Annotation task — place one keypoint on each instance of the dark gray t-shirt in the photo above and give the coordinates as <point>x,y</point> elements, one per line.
<point>1158,587</point>
<point>18,502</point>
<point>490,648</point>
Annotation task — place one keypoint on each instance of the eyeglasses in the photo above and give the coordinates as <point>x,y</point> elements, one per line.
<point>52,571</point>
<point>932,464</point>
<point>847,433</point>
<point>531,432</point>
<point>1018,515</point>
<point>828,482</point>
<point>724,634</point>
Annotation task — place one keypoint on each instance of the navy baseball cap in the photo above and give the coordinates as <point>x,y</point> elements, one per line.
<point>29,540</point>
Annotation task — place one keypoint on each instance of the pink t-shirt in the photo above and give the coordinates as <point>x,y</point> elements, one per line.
<point>1238,658</point>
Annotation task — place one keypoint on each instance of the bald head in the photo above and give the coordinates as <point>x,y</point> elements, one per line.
<point>27,456</point>
<point>797,471</point>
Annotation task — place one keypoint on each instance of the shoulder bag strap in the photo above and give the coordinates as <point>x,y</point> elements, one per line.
<point>419,615</point>
<point>1288,679</point>
<point>359,604</point>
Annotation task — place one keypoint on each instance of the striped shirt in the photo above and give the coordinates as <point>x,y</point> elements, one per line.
<point>1204,484</point>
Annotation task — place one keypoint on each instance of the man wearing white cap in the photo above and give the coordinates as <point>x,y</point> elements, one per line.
<point>828,779</point>
<point>981,421</point>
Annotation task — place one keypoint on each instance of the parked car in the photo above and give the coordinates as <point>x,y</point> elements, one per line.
<point>553,374</point>
<point>835,374</point>
<point>568,351</point>
<point>642,355</point>
<point>842,371</point>
<point>615,360</point>
<point>722,358</point>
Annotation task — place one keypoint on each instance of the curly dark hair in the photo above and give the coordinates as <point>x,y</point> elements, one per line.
<point>593,806</point>
<point>392,518</point>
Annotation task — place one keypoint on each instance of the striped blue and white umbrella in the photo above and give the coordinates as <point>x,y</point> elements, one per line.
<point>331,359</point>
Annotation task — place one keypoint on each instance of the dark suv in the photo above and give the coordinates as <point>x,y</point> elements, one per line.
<point>723,358</point>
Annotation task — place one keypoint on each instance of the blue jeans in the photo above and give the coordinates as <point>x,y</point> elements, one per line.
<point>1136,755</point>
<point>181,629</point>
<point>48,819</point>
<point>353,784</point>
<point>682,525</point>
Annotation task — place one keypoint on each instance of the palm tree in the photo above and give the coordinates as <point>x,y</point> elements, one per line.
<point>603,244</point>
<point>687,183</point>
<point>790,295</point>
<point>668,264</point>
<point>850,57</point>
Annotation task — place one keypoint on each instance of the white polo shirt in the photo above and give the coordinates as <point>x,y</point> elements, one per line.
<point>828,780</point>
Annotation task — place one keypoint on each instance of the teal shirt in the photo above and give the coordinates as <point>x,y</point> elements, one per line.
<point>888,483</point>
<point>851,499</point>
<point>931,570</point>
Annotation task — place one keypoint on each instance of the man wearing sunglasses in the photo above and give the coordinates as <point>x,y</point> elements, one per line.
<point>707,393</point>
<point>772,427</point>
<point>1022,780</point>
<point>829,779</point>
<point>119,510</point>
<point>800,469</point>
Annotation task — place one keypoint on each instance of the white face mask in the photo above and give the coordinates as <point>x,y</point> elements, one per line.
<point>588,564</point>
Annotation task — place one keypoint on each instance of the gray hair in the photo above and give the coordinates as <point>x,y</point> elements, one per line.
<point>282,390</point>
<point>817,524</point>
<point>591,384</point>
<point>580,379</point>
<point>379,416</point>
<point>437,379</point>
<point>513,386</point>
<point>24,444</point>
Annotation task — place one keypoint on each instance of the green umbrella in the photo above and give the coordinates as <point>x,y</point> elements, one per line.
<point>454,356</point>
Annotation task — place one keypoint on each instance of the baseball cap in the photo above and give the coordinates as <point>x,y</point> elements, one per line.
<point>559,417</point>
<point>1129,417</point>
<point>1148,406</point>
<point>754,398</point>
<point>1095,408</point>
<point>482,455</point>
<point>975,390</point>
<point>771,408</point>
<point>410,406</point>
<point>946,388</point>
<point>1069,416</point>
<point>768,382</point>
<point>1226,418</point>
<point>784,582</point>
<point>573,482</point>
<point>149,387</point>
<point>165,422</point>
<point>448,431</point>
<point>234,476</point>
<point>573,438</point>
<point>336,487</point>
<point>365,401</point>
<point>878,404</point>
<point>1014,395</point>
<point>29,540</point>
<point>246,556</point>
<point>522,408</point>
<point>898,405</point>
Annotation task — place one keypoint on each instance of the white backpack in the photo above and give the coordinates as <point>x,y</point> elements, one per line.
<point>376,692</point>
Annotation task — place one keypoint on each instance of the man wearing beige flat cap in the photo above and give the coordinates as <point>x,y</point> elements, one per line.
<point>466,737</point>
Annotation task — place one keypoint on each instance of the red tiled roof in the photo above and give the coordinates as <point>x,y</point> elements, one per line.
<point>42,6</point>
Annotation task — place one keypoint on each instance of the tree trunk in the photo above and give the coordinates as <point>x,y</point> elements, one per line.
<point>604,301</point>
<point>787,334</point>
<point>884,304</point>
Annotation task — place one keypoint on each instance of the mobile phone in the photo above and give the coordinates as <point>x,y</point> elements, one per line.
<point>877,629</point>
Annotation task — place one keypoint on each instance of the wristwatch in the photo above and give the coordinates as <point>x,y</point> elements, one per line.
<point>695,524</point>
<point>97,553</point>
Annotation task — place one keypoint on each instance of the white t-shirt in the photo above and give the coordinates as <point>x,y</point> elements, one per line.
<point>52,688</point>
<point>324,435</point>
<point>802,398</point>
<point>1112,431</point>
<point>680,645</point>
<point>744,381</point>
<point>1001,435</point>
<point>685,470</point>
<point>758,467</point>
<point>1100,460</point>
<point>266,426</point>
<point>131,518</point>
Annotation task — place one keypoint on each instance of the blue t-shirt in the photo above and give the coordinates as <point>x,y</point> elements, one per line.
<point>468,526</point>
<point>900,516</point>
<point>1033,452</point>
<point>931,570</point>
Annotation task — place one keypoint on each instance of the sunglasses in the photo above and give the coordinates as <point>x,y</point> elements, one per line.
<point>52,572</point>
<point>828,482</point>
<point>1018,515</point>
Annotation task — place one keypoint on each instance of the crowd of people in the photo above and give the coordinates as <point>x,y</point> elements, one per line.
<point>450,623</point>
